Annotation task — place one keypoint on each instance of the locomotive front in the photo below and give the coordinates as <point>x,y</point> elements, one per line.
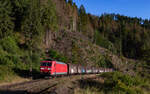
<point>53,68</point>
<point>46,67</point>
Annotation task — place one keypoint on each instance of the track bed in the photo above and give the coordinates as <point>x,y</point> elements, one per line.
<point>43,86</point>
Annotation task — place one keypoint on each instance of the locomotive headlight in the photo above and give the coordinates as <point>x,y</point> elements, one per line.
<point>42,68</point>
<point>49,68</point>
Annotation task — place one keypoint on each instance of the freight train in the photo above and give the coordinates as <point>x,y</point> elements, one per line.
<point>55,68</point>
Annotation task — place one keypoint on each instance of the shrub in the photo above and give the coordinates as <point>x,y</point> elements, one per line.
<point>102,41</point>
<point>57,56</point>
<point>6,73</point>
<point>104,62</point>
<point>4,58</point>
<point>36,58</point>
<point>118,82</point>
<point>10,52</point>
<point>9,45</point>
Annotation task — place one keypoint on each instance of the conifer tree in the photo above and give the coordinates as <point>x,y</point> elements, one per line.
<point>6,21</point>
<point>49,17</point>
<point>83,18</point>
<point>31,26</point>
<point>19,8</point>
<point>70,2</point>
<point>49,20</point>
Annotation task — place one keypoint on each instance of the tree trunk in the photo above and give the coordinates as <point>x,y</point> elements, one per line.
<point>48,38</point>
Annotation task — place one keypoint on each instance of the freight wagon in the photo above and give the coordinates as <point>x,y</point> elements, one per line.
<point>55,68</point>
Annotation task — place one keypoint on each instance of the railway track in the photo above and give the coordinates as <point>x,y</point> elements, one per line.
<point>17,84</point>
<point>30,87</point>
<point>39,86</point>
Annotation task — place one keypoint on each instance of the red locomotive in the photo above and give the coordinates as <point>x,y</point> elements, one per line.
<point>54,68</point>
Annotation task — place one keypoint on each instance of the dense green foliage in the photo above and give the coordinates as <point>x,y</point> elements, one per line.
<point>54,55</point>
<point>104,62</point>
<point>22,26</point>
<point>49,18</point>
<point>123,84</point>
<point>115,83</point>
<point>128,35</point>
<point>104,42</point>
<point>124,36</point>
<point>6,21</point>
<point>83,19</point>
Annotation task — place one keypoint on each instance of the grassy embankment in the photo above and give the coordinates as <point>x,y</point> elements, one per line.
<point>114,83</point>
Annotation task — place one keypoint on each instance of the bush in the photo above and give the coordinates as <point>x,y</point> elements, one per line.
<point>10,53</point>
<point>9,44</point>
<point>6,73</point>
<point>102,41</point>
<point>57,56</point>
<point>104,62</point>
<point>36,58</point>
<point>118,82</point>
<point>5,59</point>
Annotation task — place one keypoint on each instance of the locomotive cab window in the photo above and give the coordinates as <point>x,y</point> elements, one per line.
<point>46,64</point>
<point>49,64</point>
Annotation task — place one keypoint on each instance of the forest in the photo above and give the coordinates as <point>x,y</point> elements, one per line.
<point>27,25</point>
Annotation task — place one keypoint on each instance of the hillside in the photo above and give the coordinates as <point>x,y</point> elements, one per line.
<point>31,31</point>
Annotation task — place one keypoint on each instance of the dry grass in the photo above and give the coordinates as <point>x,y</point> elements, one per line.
<point>87,91</point>
<point>16,79</point>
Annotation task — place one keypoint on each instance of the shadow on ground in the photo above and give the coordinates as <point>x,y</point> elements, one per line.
<point>16,92</point>
<point>97,85</point>
<point>13,92</point>
<point>27,74</point>
<point>90,83</point>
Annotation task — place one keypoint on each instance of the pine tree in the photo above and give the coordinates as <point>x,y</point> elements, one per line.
<point>82,10</point>
<point>83,18</point>
<point>70,2</point>
<point>19,8</point>
<point>6,21</point>
<point>49,20</point>
<point>49,17</point>
<point>31,26</point>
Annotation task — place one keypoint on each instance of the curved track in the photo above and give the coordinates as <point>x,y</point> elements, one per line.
<point>39,86</point>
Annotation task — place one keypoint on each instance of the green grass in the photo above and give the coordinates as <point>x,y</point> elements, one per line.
<point>114,83</point>
<point>118,82</point>
<point>6,74</point>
